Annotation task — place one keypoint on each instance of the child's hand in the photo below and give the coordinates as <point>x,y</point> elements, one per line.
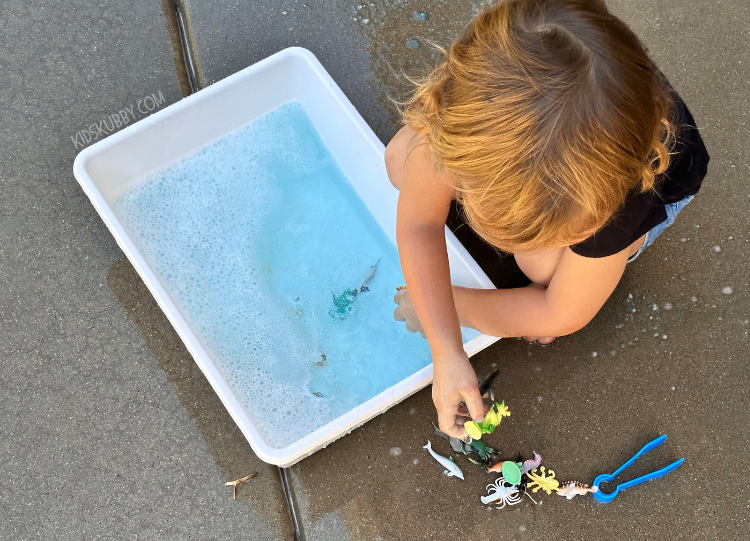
<point>455,393</point>
<point>405,312</point>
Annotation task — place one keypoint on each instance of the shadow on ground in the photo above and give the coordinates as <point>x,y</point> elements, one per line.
<point>230,449</point>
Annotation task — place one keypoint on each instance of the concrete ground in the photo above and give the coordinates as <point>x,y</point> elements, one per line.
<point>109,430</point>
<point>667,354</point>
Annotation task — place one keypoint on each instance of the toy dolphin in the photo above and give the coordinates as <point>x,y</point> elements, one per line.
<point>451,469</point>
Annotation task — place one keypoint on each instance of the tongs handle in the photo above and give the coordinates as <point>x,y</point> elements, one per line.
<point>607,477</point>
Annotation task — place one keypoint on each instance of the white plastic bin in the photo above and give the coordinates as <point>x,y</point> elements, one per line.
<point>116,164</point>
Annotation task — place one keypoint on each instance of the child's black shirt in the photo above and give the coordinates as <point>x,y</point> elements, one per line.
<point>641,211</point>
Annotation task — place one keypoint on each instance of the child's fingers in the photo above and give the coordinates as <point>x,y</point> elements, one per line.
<point>397,315</point>
<point>475,406</point>
<point>447,423</point>
<point>463,410</point>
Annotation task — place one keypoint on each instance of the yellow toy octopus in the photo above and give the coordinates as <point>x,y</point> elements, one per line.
<point>544,480</point>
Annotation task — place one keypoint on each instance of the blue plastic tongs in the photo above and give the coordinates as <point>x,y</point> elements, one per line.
<point>607,477</point>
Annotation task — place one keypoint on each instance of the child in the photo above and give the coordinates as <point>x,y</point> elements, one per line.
<point>552,129</point>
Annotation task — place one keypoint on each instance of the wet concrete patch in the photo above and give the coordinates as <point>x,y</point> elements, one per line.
<point>399,34</point>
<point>585,414</point>
<point>230,36</point>
<point>371,49</point>
<point>229,448</point>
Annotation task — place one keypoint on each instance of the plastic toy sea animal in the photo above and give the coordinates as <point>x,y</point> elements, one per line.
<point>506,466</point>
<point>490,421</point>
<point>501,492</point>
<point>343,302</point>
<point>573,488</point>
<point>451,469</point>
<point>322,361</point>
<point>496,468</point>
<point>486,386</point>
<point>532,463</point>
<point>544,480</point>
<point>486,454</point>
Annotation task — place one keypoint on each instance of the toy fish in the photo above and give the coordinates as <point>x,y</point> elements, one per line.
<point>574,488</point>
<point>497,468</point>
<point>344,301</point>
<point>514,471</point>
<point>451,469</point>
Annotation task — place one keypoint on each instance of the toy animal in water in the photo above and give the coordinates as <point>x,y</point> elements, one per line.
<point>574,488</point>
<point>343,302</point>
<point>451,469</point>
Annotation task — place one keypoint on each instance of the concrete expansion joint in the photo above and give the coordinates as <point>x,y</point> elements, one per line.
<point>188,56</point>
<point>292,504</point>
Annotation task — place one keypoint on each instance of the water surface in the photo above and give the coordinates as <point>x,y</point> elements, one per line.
<point>253,235</point>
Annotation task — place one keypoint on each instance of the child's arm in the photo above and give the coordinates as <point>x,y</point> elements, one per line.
<point>423,205</point>
<point>579,288</point>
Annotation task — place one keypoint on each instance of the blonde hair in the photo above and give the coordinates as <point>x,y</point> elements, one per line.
<point>543,116</point>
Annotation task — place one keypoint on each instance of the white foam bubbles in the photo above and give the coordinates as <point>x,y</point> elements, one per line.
<point>251,236</point>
